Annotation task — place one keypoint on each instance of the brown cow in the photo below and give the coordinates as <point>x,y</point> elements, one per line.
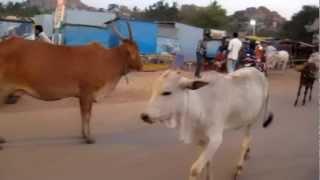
<point>51,72</point>
<point>307,77</point>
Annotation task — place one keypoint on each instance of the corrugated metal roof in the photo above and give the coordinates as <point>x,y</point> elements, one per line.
<point>17,20</point>
<point>18,28</point>
<point>82,17</point>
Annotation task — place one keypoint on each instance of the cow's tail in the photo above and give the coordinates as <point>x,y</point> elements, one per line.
<point>268,118</point>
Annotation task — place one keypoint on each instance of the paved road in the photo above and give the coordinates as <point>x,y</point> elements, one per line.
<point>44,143</point>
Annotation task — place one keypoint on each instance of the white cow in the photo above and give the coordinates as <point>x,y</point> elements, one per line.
<point>315,58</point>
<point>202,109</point>
<point>276,58</point>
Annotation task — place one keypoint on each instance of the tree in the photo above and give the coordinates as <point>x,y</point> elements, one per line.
<point>161,11</point>
<point>212,16</point>
<point>295,29</point>
<point>18,9</point>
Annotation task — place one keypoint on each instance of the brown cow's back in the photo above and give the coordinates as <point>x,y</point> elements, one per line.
<point>53,72</point>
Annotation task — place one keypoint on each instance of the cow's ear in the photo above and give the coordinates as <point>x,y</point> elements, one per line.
<point>192,84</point>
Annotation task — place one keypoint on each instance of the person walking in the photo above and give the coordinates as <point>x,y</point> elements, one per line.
<point>233,52</point>
<point>201,52</point>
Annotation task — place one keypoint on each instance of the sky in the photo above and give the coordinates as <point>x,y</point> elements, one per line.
<point>286,8</point>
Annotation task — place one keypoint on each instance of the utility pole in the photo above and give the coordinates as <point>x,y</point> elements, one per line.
<point>58,19</point>
<point>253,23</point>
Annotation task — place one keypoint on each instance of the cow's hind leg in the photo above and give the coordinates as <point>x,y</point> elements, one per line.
<point>310,93</point>
<point>298,95</point>
<point>86,102</point>
<point>305,94</point>
<point>245,149</point>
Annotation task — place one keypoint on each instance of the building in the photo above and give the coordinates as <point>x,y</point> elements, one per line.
<point>82,27</point>
<point>173,35</point>
<point>12,26</point>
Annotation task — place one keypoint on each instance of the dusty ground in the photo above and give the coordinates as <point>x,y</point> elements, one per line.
<point>44,140</point>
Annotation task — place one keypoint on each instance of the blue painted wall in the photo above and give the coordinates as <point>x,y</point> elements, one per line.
<point>144,34</point>
<point>188,37</point>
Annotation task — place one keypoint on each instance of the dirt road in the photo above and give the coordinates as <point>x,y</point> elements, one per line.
<point>44,141</point>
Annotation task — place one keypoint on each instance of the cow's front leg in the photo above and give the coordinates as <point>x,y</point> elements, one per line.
<point>284,65</point>
<point>215,141</point>
<point>208,171</point>
<point>86,102</point>
<point>305,94</point>
<point>245,149</point>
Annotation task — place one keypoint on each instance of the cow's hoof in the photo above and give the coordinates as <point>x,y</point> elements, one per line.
<point>235,177</point>
<point>90,141</point>
<point>2,140</point>
<point>12,99</point>
<point>238,172</point>
<point>195,172</point>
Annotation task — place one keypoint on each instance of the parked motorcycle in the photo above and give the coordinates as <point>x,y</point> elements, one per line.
<point>251,61</point>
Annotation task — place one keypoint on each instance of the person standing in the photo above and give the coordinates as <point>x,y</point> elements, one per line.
<point>201,52</point>
<point>259,51</point>
<point>179,58</point>
<point>233,52</point>
<point>40,35</point>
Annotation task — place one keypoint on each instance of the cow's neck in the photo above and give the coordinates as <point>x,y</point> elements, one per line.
<point>125,58</point>
<point>189,116</point>
<point>123,61</point>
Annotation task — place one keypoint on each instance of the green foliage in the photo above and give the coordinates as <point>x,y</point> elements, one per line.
<point>162,11</point>
<point>212,16</point>
<point>18,9</point>
<point>295,28</point>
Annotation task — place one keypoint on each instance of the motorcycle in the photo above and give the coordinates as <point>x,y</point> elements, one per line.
<point>252,61</point>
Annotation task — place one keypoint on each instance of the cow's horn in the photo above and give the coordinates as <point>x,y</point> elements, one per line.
<point>129,30</point>
<point>114,29</point>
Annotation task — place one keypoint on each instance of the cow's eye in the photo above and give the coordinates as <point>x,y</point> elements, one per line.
<point>166,93</point>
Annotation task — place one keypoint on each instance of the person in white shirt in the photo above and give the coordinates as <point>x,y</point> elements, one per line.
<point>233,52</point>
<point>40,35</point>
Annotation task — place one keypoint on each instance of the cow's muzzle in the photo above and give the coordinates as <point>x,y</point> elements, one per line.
<point>146,118</point>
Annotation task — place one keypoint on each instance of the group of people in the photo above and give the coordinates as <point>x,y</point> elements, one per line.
<point>38,35</point>
<point>228,52</point>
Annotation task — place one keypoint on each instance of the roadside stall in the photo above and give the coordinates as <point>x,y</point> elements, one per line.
<point>299,51</point>
<point>214,51</point>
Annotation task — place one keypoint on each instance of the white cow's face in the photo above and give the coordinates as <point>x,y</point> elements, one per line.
<point>167,100</point>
